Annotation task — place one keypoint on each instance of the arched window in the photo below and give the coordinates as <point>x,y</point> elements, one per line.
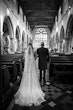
<point>40,35</point>
<point>7,36</point>
<point>23,36</point>
<point>62,34</point>
<point>18,38</point>
<point>62,39</point>
<point>69,34</point>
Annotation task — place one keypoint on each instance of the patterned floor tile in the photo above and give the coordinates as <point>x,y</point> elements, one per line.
<point>52,104</point>
<point>69,92</point>
<point>53,92</point>
<point>60,86</point>
<point>58,97</point>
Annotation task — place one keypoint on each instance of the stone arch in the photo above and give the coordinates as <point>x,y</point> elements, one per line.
<point>52,42</point>
<point>69,34</point>
<point>62,38</point>
<point>62,33</point>
<point>57,37</point>
<point>7,36</point>
<point>57,41</point>
<point>23,38</point>
<point>18,38</point>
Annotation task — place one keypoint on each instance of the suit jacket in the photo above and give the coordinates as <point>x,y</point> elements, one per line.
<point>43,56</point>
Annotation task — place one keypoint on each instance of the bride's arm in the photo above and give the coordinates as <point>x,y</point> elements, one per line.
<point>35,55</point>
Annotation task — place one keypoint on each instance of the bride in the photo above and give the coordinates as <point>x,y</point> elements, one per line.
<point>29,91</point>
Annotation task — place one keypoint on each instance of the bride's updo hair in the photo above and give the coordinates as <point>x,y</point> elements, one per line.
<point>30,47</point>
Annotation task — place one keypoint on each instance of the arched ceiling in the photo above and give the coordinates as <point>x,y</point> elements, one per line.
<point>40,12</point>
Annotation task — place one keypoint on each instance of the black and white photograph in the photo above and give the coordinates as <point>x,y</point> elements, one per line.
<point>36,54</point>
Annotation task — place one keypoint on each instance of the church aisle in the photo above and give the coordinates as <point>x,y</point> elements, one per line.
<point>58,97</point>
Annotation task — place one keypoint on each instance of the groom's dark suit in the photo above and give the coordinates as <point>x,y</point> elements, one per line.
<point>43,56</point>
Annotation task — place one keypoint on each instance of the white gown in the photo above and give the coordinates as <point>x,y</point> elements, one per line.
<point>29,91</point>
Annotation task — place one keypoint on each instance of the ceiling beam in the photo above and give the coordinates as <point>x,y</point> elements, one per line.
<point>36,10</point>
<point>40,23</point>
<point>40,20</point>
<point>40,14</point>
<point>40,17</point>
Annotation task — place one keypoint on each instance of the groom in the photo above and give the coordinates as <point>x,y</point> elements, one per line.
<point>43,56</point>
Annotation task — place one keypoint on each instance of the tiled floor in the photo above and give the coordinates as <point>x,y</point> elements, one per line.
<point>58,97</point>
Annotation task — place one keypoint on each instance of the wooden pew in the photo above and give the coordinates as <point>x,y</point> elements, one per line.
<point>8,88</point>
<point>5,79</point>
<point>18,58</point>
<point>61,65</point>
<point>12,63</point>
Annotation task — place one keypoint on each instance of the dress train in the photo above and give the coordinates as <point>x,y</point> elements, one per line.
<point>30,91</point>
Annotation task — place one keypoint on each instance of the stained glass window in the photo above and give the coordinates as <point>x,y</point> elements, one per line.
<point>40,36</point>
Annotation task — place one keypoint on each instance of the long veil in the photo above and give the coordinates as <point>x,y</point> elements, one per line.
<point>28,56</point>
<point>30,91</point>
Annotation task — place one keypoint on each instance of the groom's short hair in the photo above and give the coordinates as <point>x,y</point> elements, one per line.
<point>30,44</point>
<point>42,44</point>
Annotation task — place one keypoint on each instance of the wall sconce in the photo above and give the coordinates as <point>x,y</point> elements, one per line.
<point>63,41</point>
<point>18,22</point>
<point>68,13</point>
<point>62,22</point>
<point>8,12</point>
<point>69,10</point>
<point>56,29</point>
<point>1,18</point>
<point>69,7</point>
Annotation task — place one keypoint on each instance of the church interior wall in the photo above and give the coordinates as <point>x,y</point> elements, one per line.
<point>15,18</point>
<point>66,13</point>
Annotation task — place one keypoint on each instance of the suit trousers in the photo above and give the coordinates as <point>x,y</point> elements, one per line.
<point>42,72</point>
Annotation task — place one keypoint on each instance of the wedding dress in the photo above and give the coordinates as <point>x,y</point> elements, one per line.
<point>29,91</point>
